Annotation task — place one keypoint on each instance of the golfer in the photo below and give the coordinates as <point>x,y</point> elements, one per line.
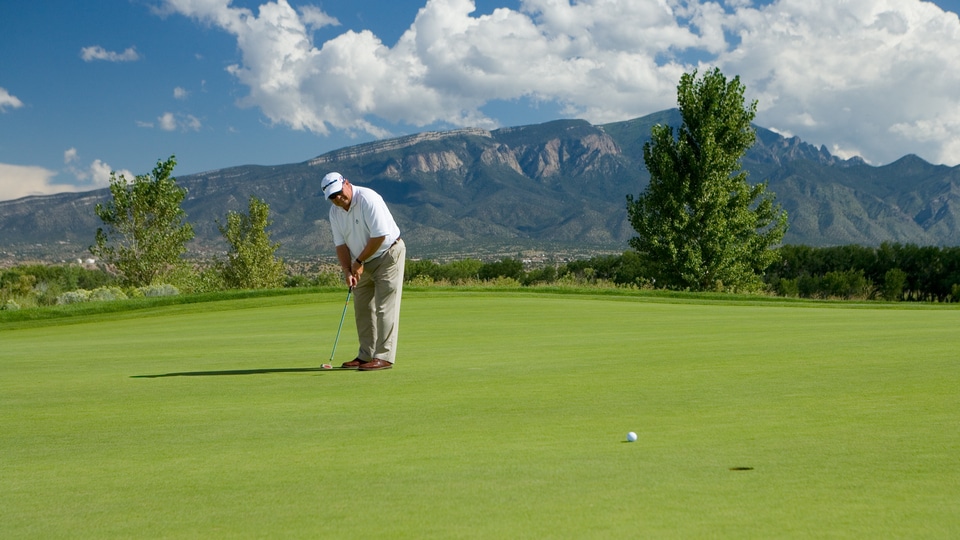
<point>372,256</point>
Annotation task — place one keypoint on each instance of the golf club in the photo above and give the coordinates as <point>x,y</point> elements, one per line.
<point>335,341</point>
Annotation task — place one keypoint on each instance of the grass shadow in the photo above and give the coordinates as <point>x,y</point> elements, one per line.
<point>228,372</point>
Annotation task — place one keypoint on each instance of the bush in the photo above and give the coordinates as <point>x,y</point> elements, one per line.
<point>106,294</point>
<point>420,280</point>
<point>329,279</point>
<point>100,294</point>
<point>503,281</point>
<point>849,284</point>
<point>73,297</point>
<point>893,283</point>
<point>460,271</point>
<point>193,279</point>
<point>787,287</point>
<point>506,268</point>
<point>164,289</point>
<point>545,275</point>
<point>10,305</point>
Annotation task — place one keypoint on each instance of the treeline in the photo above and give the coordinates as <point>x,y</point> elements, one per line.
<point>615,270</point>
<point>894,272</point>
<point>33,285</point>
<point>38,284</point>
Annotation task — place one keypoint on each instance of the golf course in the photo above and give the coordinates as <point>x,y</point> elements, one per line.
<point>505,416</point>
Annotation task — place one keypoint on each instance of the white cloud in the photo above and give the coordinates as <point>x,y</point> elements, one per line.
<point>846,153</point>
<point>169,121</point>
<point>596,58</point>
<point>8,100</point>
<point>17,181</point>
<point>93,176</point>
<point>190,122</point>
<point>96,52</point>
<point>100,174</point>
<point>876,75</point>
<point>315,18</point>
<point>180,93</point>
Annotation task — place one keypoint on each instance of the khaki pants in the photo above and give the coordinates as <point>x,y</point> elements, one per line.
<point>376,301</point>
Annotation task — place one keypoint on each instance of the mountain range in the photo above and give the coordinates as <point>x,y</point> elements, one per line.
<point>557,187</point>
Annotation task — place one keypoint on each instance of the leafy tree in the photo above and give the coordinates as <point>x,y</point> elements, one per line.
<point>421,267</point>
<point>146,233</point>
<point>251,261</point>
<point>547,274</point>
<point>700,225</point>
<point>509,268</point>
<point>460,271</point>
<point>893,282</point>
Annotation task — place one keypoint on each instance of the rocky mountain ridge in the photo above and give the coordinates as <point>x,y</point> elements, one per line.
<point>560,186</point>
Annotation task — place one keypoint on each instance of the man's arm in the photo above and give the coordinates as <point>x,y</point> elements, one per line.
<point>372,246</point>
<point>346,264</point>
<point>356,267</point>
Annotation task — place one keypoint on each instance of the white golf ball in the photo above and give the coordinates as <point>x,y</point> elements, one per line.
<point>631,437</point>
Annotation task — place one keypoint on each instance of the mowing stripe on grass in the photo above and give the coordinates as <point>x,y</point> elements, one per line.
<point>505,416</point>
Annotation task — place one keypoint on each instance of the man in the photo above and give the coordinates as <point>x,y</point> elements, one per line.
<point>372,257</point>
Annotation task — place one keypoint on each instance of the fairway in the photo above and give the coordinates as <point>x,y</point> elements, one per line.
<point>505,417</point>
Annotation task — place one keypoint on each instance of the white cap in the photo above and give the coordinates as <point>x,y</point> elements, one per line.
<point>332,184</point>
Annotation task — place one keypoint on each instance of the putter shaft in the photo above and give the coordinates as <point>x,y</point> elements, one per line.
<point>342,315</point>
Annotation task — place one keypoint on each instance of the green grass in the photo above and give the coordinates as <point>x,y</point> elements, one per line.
<point>505,417</point>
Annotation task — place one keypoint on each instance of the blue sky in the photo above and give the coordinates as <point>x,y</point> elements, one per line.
<point>114,85</point>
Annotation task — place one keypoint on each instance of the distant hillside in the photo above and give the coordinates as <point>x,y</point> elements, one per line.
<point>554,187</point>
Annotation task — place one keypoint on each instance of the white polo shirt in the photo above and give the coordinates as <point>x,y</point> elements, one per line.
<point>367,218</point>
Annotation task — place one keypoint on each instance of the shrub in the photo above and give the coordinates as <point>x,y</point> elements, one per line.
<point>787,287</point>
<point>295,281</point>
<point>459,271</point>
<point>106,294</point>
<point>547,274</point>
<point>329,279</point>
<point>193,279</point>
<point>893,283</point>
<point>73,297</point>
<point>163,289</point>
<point>849,284</point>
<point>420,280</point>
<point>503,281</point>
<point>10,305</point>
<point>506,268</point>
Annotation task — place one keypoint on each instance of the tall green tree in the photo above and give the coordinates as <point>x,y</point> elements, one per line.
<point>251,261</point>
<point>699,224</point>
<point>146,232</point>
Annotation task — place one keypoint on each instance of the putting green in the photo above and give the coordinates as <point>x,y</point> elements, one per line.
<point>505,416</point>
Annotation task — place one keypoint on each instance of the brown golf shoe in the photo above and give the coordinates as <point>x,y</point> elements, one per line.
<point>353,364</point>
<point>375,365</point>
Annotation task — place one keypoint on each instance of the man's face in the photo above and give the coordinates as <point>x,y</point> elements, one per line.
<point>343,198</point>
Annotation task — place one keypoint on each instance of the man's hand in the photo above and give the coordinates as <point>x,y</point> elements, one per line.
<point>356,269</point>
